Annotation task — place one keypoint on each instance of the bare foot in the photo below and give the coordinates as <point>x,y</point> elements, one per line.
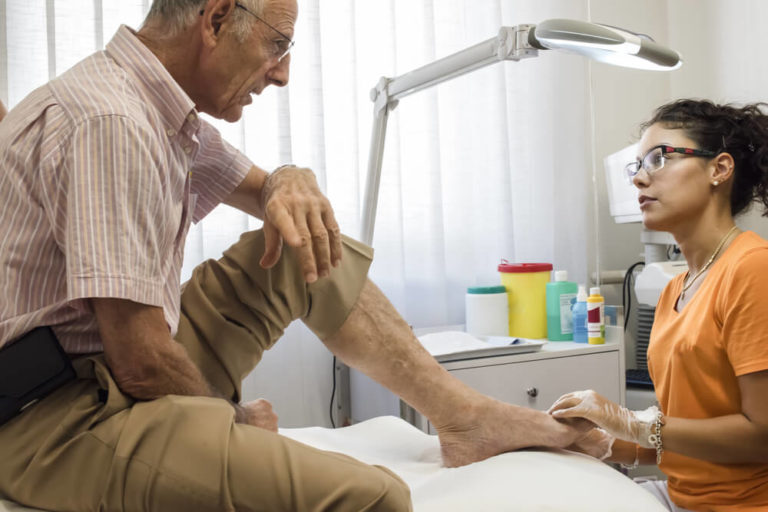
<point>489,427</point>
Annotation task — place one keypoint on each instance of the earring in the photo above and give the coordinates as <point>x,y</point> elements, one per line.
<point>715,183</point>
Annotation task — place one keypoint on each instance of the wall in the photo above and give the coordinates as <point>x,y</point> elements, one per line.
<point>723,45</point>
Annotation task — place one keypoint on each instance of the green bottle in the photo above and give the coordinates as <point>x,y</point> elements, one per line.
<point>560,293</point>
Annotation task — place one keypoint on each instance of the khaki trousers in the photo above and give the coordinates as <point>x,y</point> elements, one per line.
<point>89,447</point>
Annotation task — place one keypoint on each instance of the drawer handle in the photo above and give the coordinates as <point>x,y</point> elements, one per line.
<point>532,392</point>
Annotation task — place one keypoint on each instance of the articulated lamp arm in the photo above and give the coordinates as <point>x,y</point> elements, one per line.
<point>512,43</point>
<point>603,43</point>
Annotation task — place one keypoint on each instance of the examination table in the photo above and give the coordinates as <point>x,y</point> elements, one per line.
<point>526,480</point>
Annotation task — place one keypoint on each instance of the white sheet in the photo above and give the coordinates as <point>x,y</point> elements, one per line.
<point>524,481</point>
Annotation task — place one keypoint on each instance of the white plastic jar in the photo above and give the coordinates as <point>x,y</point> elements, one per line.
<point>487,311</point>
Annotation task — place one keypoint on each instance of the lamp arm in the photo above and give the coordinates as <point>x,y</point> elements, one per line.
<point>511,43</point>
<point>375,157</point>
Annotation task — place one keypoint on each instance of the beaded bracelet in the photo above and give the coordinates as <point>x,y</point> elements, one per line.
<point>655,437</point>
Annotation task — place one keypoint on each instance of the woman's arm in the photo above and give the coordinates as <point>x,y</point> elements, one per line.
<point>733,439</point>
<point>624,452</point>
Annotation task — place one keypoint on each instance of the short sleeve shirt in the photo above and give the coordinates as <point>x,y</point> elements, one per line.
<point>102,170</point>
<point>695,357</point>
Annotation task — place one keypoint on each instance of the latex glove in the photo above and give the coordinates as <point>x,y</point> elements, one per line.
<point>295,211</point>
<point>596,442</point>
<point>620,422</point>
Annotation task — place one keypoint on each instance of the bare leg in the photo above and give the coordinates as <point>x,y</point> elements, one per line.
<point>471,426</point>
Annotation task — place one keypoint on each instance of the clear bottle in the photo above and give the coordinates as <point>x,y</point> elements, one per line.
<point>560,293</point>
<point>595,317</point>
<point>579,310</point>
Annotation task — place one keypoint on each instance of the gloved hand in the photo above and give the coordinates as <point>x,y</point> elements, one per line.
<point>596,442</point>
<point>620,422</point>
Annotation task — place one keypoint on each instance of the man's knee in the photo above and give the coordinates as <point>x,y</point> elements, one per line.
<point>385,493</point>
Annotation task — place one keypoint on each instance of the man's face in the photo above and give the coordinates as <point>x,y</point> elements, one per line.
<point>239,69</point>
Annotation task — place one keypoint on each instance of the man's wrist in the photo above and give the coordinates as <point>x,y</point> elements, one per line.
<point>241,416</point>
<point>266,187</point>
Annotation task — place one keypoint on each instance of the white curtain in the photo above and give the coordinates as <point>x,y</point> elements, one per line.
<point>492,165</point>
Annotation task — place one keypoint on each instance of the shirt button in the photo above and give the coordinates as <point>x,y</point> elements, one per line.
<point>187,149</point>
<point>191,117</point>
<point>171,132</point>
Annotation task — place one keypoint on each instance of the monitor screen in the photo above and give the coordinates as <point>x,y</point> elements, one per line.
<point>622,195</point>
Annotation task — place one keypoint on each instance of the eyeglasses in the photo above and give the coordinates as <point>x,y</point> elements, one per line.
<point>281,48</point>
<point>655,158</point>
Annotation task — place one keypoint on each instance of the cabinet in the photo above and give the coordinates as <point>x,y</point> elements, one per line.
<point>537,379</point>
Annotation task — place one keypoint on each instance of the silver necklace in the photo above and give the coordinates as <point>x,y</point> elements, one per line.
<point>706,265</point>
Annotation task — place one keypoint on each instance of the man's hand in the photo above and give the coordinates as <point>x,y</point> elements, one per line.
<point>257,413</point>
<point>297,212</point>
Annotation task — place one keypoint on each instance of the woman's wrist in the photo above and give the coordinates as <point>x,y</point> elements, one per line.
<point>624,453</point>
<point>636,462</point>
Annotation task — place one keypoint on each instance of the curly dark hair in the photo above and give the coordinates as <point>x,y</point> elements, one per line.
<point>741,131</point>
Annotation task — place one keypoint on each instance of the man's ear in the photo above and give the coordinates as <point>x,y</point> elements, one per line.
<point>722,168</point>
<point>215,14</point>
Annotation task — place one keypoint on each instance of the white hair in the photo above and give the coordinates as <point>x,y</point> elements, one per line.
<point>177,15</point>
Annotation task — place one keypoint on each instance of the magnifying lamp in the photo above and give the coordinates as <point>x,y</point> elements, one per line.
<point>602,43</point>
<point>599,42</point>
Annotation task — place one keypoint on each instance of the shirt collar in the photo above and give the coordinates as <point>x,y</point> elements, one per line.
<point>167,96</point>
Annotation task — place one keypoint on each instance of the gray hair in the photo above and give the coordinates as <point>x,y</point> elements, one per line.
<point>177,15</point>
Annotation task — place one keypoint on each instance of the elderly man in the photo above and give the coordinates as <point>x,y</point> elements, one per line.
<point>103,169</point>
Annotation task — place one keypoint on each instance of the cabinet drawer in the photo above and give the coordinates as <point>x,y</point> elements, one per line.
<point>537,384</point>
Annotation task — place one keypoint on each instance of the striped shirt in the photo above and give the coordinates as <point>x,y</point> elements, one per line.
<point>101,172</point>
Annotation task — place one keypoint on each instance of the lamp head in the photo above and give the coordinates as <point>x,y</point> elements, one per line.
<point>603,43</point>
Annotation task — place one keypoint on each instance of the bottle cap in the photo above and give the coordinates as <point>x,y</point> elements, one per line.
<point>517,268</point>
<point>485,290</point>
<point>582,295</point>
<point>561,275</point>
<point>595,290</point>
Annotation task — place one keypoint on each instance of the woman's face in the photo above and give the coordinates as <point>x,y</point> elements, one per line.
<point>678,193</point>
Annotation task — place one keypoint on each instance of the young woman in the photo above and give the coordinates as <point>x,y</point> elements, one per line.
<point>700,165</point>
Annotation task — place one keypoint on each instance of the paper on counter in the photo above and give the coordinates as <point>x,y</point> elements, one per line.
<point>456,345</point>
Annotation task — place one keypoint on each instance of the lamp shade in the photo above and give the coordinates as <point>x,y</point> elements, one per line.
<point>603,43</point>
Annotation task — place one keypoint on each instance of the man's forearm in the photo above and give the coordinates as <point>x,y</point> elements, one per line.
<point>146,362</point>
<point>247,196</point>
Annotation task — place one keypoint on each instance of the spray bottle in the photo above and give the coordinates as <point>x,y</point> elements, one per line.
<point>579,309</point>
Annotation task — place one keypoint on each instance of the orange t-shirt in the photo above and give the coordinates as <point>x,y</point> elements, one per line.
<point>695,357</point>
